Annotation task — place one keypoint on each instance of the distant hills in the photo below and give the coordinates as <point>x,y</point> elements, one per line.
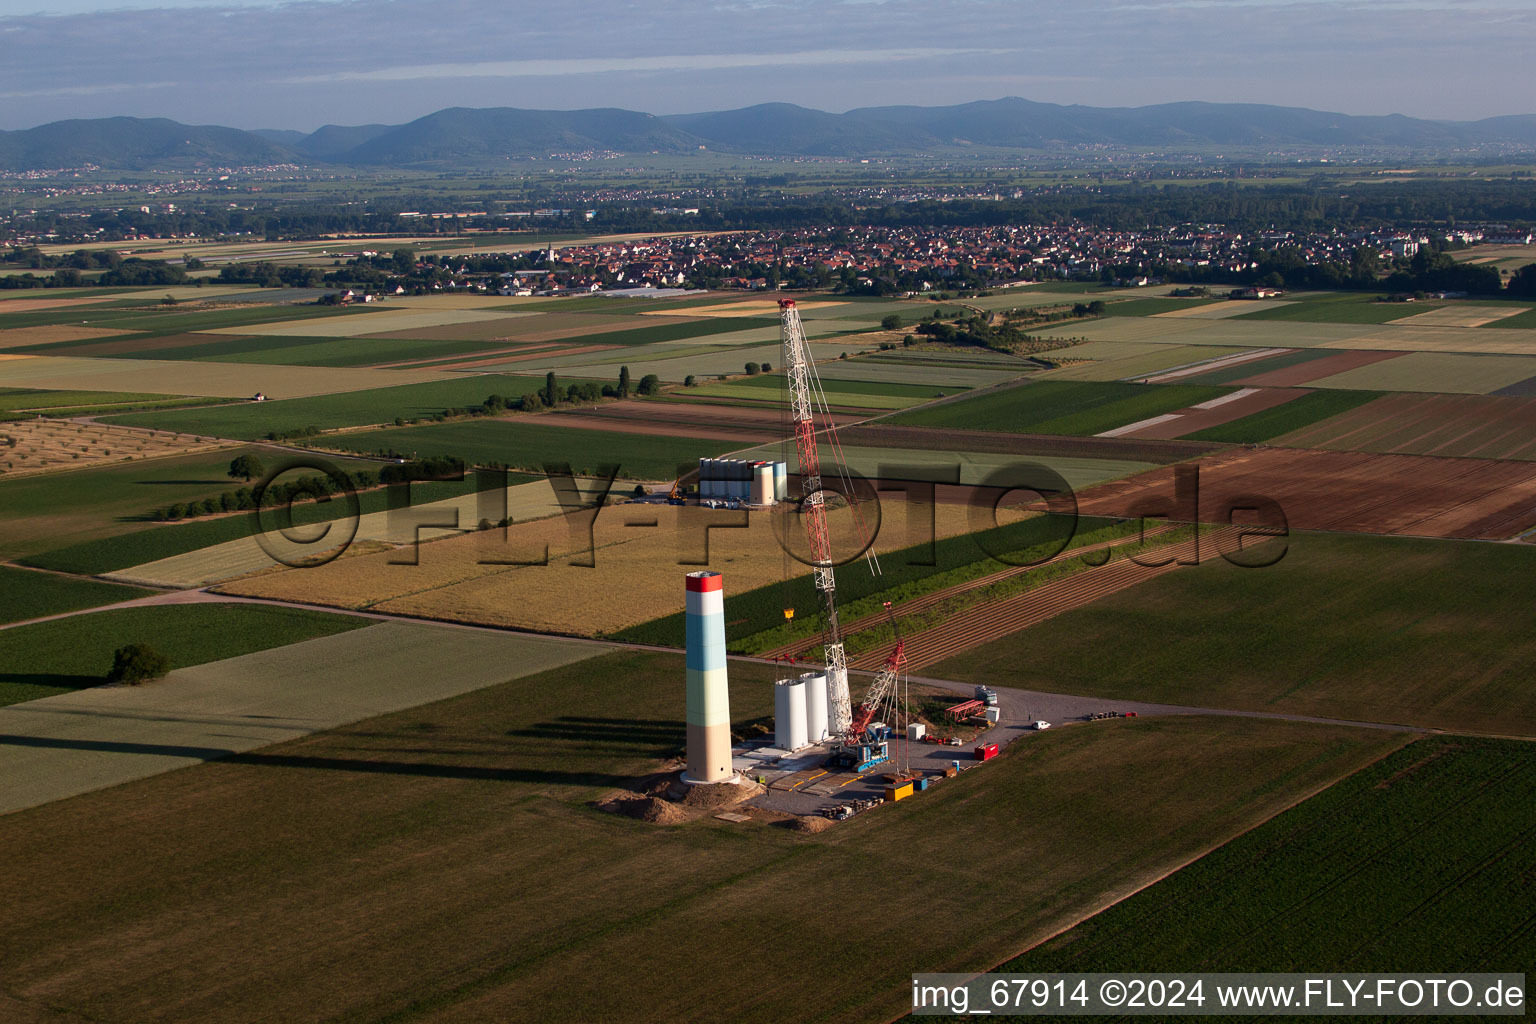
<point>471,136</point>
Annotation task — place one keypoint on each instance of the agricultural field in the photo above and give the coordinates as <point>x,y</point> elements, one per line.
<point>1210,414</point>
<point>527,442</point>
<point>1478,426</point>
<point>1156,359</point>
<point>210,380</point>
<point>26,594</point>
<point>50,445</point>
<point>20,403</point>
<point>164,544</point>
<point>421,810</point>
<point>1270,424</point>
<point>560,575</point>
<point>1411,495</point>
<point>1435,371</point>
<point>47,511</point>
<point>1338,308</point>
<point>1407,865</point>
<point>858,394</point>
<point>948,378</point>
<point>45,658</point>
<point>367,407</point>
<point>1061,407</point>
<point>1344,627</point>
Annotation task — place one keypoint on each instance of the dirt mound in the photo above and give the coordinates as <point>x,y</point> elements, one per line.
<point>725,794</point>
<point>808,824</point>
<point>644,808</point>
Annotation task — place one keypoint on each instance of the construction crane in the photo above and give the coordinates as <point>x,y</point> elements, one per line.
<point>805,395</point>
<point>798,373</point>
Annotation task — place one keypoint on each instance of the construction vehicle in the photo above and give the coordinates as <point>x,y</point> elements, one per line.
<point>675,496</point>
<point>870,750</point>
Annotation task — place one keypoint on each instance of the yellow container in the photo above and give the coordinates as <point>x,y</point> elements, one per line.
<point>900,792</point>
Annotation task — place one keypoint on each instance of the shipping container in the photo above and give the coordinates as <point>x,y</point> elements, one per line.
<point>986,752</point>
<point>901,792</point>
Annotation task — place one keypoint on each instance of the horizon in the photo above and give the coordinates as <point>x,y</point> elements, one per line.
<point>680,113</point>
<point>265,63</point>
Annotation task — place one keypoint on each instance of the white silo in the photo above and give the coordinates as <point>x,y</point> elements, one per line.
<point>789,719</point>
<point>762,483</point>
<point>780,481</point>
<point>815,706</point>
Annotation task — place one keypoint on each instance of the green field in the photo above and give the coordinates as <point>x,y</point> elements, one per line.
<point>254,420</point>
<point>1282,419</point>
<point>1061,407</point>
<point>51,510</point>
<point>1412,864</point>
<point>1341,308</point>
<point>33,595</point>
<point>1526,320</point>
<point>472,817</point>
<point>524,443</point>
<point>111,554</point>
<point>1151,307</point>
<point>66,654</point>
<point>1438,634</point>
<point>15,400</point>
<point>653,333</point>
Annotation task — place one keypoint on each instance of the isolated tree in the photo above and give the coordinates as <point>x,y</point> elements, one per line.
<point>551,394</point>
<point>753,369</point>
<point>650,384</point>
<point>767,367</point>
<point>133,664</point>
<point>1096,307</point>
<point>404,261</point>
<point>891,322</point>
<point>690,381</point>
<point>623,382</point>
<point>246,467</point>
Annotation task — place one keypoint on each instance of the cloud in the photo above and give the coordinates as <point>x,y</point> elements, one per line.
<point>298,64</point>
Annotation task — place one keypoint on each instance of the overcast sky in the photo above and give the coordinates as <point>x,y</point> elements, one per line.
<point>271,64</point>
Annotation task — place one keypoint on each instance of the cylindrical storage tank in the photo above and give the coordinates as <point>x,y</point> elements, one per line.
<point>704,474</point>
<point>815,706</point>
<point>743,477</point>
<point>780,481</point>
<point>708,689</point>
<point>789,714</point>
<point>762,484</point>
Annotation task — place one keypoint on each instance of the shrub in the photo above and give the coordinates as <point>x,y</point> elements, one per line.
<point>133,664</point>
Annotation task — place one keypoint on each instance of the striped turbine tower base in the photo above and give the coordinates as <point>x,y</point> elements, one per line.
<point>709,700</point>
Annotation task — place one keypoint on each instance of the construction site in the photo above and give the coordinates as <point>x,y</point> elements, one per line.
<point>829,755</point>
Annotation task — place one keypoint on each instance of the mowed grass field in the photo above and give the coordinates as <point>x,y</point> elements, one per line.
<point>25,594</point>
<point>1412,864</point>
<point>45,658</point>
<point>1436,634</point>
<point>253,420</point>
<point>472,817</point>
<point>1080,408</point>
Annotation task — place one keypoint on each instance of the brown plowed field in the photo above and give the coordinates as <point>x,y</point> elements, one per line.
<point>1414,495</point>
<point>885,435</point>
<point>986,622</point>
<point>1191,420</point>
<point>1479,426</point>
<point>926,601</point>
<point>1317,369</point>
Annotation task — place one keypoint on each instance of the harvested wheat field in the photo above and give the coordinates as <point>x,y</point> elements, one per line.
<point>1413,495</point>
<point>372,322</point>
<point>1480,426</point>
<point>17,337</point>
<point>1220,310</point>
<point>634,557</point>
<point>1459,316</point>
<point>57,302</point>
<point>42,445</point>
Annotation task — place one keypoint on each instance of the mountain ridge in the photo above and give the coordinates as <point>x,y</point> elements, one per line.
<point>487,135</point>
